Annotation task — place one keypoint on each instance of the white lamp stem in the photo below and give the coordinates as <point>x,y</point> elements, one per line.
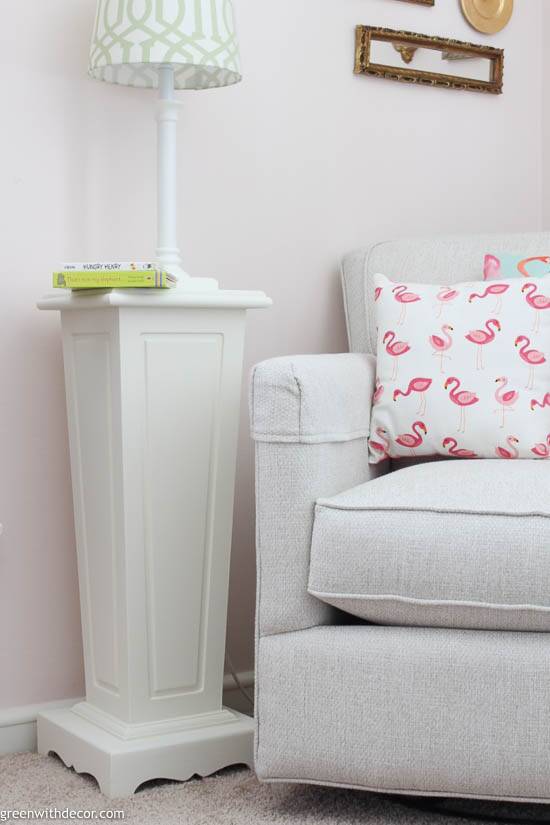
<point>168,254</point>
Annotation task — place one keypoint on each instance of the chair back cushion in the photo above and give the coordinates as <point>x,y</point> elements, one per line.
<point>444,260</point>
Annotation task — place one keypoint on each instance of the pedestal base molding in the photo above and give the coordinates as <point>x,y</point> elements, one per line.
<point>120,765</point>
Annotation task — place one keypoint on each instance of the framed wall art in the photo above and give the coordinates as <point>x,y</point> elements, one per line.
<point>428,61</point>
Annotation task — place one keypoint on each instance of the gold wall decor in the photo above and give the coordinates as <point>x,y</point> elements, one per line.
<point>488,16</point>
<point>407,52</point>
<point>379,53</point>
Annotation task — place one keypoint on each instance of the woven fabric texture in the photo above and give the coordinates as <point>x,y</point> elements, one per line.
<point>312,398</point>
<point>446,544</point>
<point>318,400</point>
<point>423,710</point>
<point>288,480</point>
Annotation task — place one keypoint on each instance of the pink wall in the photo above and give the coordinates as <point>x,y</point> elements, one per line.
<point>545,120</point>
<point>279,177</point>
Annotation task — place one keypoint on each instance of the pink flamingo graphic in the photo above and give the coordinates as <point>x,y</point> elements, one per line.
<point>419,385</point>
<point>480,338</point>
<point>462,399</point>
<point>532,357</point>
<point>441,345</point>
<point>451,444</point>
<point>378,292</point>
<point>522,266</point>
<point>395,349</point>
<point>378,392</point>
<point>542,450</point>
<point>545,402</point>
<point>538,302</point>
<point>506,398</point>
<point>382,446</point>
<point>413,439</point>
<point>405,298</point>
<point>502,452</point>
<point>444,297</point>
<point>491,268</point>
<point>494,289</point>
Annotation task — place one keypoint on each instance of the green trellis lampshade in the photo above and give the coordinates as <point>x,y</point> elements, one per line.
<point>132,38</point>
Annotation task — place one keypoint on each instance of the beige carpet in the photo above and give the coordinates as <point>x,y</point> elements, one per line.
<point>233,797</point>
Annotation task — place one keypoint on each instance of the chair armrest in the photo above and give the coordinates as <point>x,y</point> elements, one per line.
<point>312,399</point>
<point>310,418</point>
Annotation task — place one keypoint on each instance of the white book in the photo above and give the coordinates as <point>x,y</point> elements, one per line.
<point>109,266</point>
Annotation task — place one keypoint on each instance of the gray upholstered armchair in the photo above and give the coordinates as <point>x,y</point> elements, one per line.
<point>447,689</point>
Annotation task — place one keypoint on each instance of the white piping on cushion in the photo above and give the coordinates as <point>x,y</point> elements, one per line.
<point>533,608</point>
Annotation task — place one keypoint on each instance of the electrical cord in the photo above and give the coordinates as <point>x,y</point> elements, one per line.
<point>238,683</point>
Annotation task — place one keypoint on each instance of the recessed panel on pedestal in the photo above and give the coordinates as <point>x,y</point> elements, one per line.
<point>182,392</point>
<point>91,378</point>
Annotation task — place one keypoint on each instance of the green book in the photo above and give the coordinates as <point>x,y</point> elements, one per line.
<point>99,279</point>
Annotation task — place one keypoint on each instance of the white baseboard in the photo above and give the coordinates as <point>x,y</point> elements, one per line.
<point>18,725</point>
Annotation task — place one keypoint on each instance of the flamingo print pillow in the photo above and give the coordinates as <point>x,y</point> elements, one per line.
<point>462,370</point>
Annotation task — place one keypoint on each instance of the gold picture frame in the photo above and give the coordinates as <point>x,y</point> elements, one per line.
<point>366,35</point>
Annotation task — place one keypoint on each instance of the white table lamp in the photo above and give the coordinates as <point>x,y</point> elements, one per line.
<point>169,45</point>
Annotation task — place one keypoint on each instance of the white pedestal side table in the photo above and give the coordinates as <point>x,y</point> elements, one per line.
<point>153,386</point>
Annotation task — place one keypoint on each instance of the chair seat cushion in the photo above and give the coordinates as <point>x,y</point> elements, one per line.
<point>453,543</point>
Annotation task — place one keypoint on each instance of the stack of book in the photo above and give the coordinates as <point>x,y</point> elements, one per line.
<point>112,275</point>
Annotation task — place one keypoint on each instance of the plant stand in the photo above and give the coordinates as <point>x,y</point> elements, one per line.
<point>153,385</point>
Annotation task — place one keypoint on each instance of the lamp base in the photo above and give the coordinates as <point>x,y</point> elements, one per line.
<point>186,282</point>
